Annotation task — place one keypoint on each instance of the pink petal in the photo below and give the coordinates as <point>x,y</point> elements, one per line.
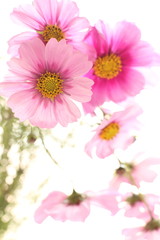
<point>9,88</point>
<point>79,88</point>
<point>106,200</point>
<point>65,110</point>
<point>48,11</point>
<point>33,52</point>
<point>24,103</point>
<point>15,42</point>
<point>44,116</point>
<point>66,60</point>
<point>131,81</point>
<point>66,12</point>
<point>125,36</point>
<point>29,16</point>
<point>75,29</point>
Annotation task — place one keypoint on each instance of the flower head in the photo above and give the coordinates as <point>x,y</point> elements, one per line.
<point>115,55</point>
<point>49,19</point>
<point>150,231</point>
<point>43,81</point>
<point>134,172</point>
<point>115,132</point>
<point>75,207</point>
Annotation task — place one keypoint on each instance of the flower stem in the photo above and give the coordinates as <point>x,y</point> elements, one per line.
<point>46,149</point>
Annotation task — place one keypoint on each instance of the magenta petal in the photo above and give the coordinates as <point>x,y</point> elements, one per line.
<point>125,36</point>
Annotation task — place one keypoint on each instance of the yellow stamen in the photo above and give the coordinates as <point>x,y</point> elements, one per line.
<point>52,31</point>
<point>108,66</point>
<point>110,131</point>
<point>50,85</point>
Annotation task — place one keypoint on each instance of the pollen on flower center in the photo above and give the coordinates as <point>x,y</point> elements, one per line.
<point>50,85</point>
<point>110,131</point>
<point>52,31</point>
<point>108,66</point>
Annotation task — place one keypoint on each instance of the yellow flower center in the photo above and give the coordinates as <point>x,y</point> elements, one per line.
<point>52,31</point>
<point>108,66</point>
<point>110,131</point>
<point>50,85</point>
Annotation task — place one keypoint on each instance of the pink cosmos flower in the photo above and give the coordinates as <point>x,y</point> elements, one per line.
<point>151,231</point>
<point>138,171</point>
<point>49,19</point>
<point>117,56</point>
<point>43,81</point>
<point>75,207</point>
<point>115,132</point>
<point>137,205</point>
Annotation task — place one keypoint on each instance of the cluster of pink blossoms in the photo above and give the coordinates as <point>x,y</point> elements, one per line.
<point>63,60</point>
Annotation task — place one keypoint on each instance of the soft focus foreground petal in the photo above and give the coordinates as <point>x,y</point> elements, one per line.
<point>79,88</point>
<point>103,149</point>
<point>15,42</point>
<point>48,203</point>
<point>44,116</point>
<point>29,16</point>
<point>33,52</point>
<point>24,103</point>
<point>72,212</point>
<point>125,35</point>
<point>106,199</point>
<point>65,110</point>
<point>67,10</point>
<point>47,9</point>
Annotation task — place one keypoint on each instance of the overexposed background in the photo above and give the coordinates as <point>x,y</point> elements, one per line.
<point>79,170</point>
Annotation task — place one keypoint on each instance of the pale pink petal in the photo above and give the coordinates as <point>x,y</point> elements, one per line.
<point>47,10</point>
<point>65,110</point>
<point>24,103</point>
<point>15,42</point>
<point>74,32</point>
<point>69,62</point>
<point>44,116</point>
<point>9,88</point>
<point>80,89</point>
<point>103,149</point>
<point>33,52</point>
<point>67,10</point>
<point>106,200</point>
<point>29,16</point>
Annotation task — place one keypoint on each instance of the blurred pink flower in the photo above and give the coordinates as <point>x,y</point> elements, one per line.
<point>138,205</point>
<point>44,80</point>
<point>151,231</point>
<point>116,54</point>
<point>115,132</point>
<point>49,19</point>
<point>75,207</point>
<point>134,172</point>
